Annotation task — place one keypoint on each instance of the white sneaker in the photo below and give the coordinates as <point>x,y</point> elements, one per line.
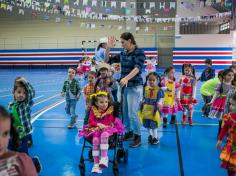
<point>96,169</point>
<point>103,162</point>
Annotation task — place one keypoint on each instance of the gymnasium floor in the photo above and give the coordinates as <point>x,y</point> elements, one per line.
<point>59,151</point>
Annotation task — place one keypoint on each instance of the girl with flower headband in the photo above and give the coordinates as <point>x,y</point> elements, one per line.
<point>102,124</point>
<point>188,84</point>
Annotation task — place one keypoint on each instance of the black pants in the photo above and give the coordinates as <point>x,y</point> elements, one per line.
<point>114,94</point>
<point>206,109</point>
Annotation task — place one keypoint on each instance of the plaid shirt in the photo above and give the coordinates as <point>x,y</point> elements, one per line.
<point>129,61</point>
<point>88,90</point>
<point>24,108</point>
<point>74,87</point>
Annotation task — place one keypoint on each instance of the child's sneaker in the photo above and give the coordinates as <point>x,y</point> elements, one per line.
<point>164,122</point>
<point>150,139</point>
<point>183,120</point>
<point>96,169</point>
<point>128,136</point>
<point>37,164</point>
<point>190,121</point>
<point>155,141</point>
<point>103,162</point>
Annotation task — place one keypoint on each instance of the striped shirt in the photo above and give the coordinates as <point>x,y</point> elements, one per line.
<point>129,61</point>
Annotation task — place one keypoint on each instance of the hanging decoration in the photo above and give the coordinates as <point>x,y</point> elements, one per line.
<point>54,7</point>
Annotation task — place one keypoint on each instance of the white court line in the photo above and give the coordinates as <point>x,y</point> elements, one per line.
<point>41,113</point>
<point>48,91</point>
<point>38,97</point>
<point>57,120</point>
<point>46,99</point>
<point>6,95</point>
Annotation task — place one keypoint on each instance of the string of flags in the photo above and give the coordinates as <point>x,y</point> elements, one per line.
<point>87,12</point>
<point>84,25</point>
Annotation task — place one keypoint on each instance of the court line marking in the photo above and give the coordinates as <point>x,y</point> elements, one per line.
<point>38,97</point>
<point>46,99</point>
<point>8,95</point>
<point>48,91</point>
<point>46,109</point>
<point>181,167</point>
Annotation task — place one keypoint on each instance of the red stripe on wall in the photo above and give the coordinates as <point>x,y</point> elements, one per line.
<point>202,53</point>
<point>201,62</point>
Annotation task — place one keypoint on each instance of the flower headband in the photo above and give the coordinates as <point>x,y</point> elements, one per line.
<point>99,93</point>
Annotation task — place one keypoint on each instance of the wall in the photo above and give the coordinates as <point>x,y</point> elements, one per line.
<point>202,40</point>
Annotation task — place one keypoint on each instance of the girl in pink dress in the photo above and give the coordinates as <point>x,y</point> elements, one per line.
<point>102,124</point>
<point>171,104</point>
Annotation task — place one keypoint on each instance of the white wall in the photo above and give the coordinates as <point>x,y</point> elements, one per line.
<point>201,40</point>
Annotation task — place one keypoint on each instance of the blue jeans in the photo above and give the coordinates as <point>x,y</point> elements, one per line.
<point>70,109</point>
<point>130,105</point>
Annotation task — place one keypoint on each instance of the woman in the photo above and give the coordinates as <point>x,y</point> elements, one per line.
<point>132,61</point>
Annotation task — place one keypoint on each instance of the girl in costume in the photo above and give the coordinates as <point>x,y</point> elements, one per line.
<point>171,104</point>
<point>11,162</point>
<point>149,110</point>
<point>102,124</point>
<point>228,154</point>
<point>218,101</point>
<point>188,91</point>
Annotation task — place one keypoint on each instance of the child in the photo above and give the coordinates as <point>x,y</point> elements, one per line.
<point>12,163</point>
<point>104,82</point>
<point>149,111</point>
<point>219,99</point>
<point>71,90</point>
<point>230,94</point>
<point>20,108</point>
<point>188,91</point>
<point>102,125</point>
<point>207,91</point>
<point>114,87</point>
<point>88,90</point>
<point>209,72</point>
<point>21,111</point>
<point>228,154</point>
<point>233,68</point>
<point>171,104</point>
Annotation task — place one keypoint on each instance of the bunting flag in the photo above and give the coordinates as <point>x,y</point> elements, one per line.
<point>113,4</point>
<point>53,7</point>
<point>132,5</point>
<point>152,5</point>
<point>58,20</point>
<point>123,4</point>
<point>66,2</point>
<point>21,12</point>
<point>94,3</point>
<point>85,2</point>
<point>146,29</point>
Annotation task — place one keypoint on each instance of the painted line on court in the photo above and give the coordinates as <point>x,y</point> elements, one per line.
<point>47,109</point>
<point>181,167</point>
<point>48,91</point>
<point>38,97</point>
<point>8,95</point>
<point>46,99</point>
<point>34,114</point>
